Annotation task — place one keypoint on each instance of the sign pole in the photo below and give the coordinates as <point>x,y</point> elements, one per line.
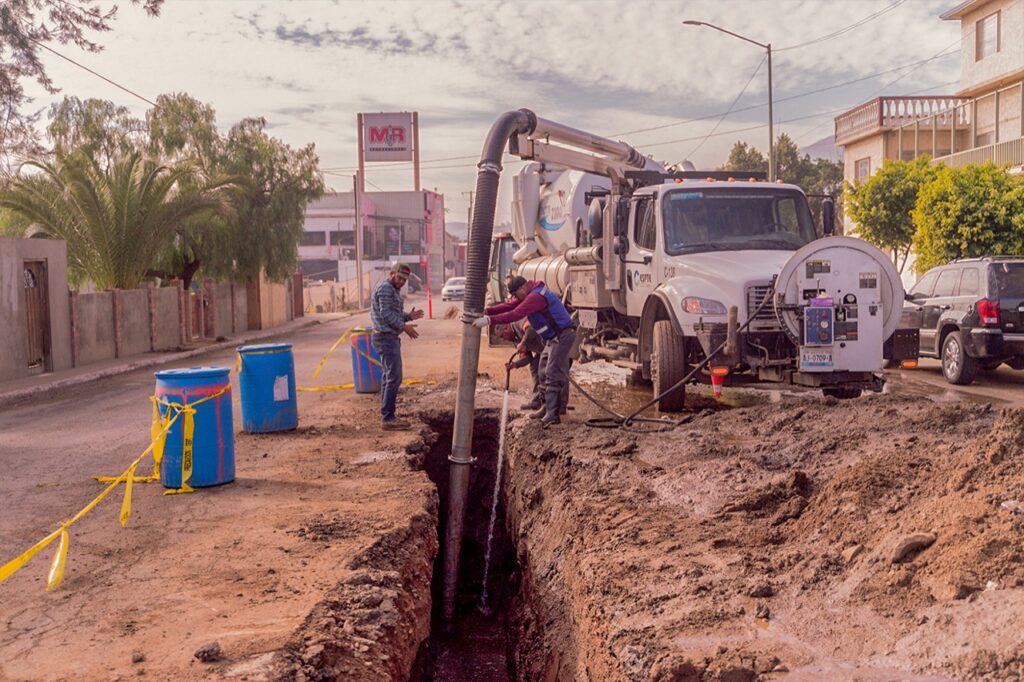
<point>357,196</point>
<point>416,150</point>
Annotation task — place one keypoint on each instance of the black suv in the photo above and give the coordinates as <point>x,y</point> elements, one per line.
<point>970,314</point>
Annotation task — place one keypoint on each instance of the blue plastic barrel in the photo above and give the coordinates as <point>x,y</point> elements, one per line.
<point>267,380</point>
<point>366,369</point>
<point>213,435</point>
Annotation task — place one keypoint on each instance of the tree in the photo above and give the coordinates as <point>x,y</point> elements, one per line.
<point>26,27</point>
<point>96,127</point>
<point>115,220</point>
<point>744,157</point>
<point>815,177</point>
<point>271,205</point>
<point>968,212</point>
<point>883,204</point>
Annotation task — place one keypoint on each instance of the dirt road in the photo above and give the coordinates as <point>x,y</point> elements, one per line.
<point>772,537</point>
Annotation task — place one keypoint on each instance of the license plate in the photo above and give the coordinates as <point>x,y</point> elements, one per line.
<point>815,358</point>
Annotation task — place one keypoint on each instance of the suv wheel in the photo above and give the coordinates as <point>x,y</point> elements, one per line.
<point>958,367</point>
<point>668,366</point>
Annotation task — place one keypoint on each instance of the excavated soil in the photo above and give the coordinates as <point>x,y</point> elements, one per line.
<point>873,539</point>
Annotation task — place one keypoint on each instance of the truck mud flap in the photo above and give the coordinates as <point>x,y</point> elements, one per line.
<point>904,344</point>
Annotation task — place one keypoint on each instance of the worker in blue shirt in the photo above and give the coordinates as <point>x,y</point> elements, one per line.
<point>389,321</point>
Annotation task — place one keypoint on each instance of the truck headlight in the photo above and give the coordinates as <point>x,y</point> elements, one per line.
<point>703,306</point>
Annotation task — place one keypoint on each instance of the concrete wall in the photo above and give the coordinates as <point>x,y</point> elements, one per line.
<point>13,339</point>
<point>274,303</point>
<point>240,309</point>
<point>94,327</point>
<point>131,311</point>
<point>166,320</point>
<point>221,303</point>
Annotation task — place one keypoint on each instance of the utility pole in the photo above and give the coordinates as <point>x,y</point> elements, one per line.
<point>469,212</point>
<point>357,208</point>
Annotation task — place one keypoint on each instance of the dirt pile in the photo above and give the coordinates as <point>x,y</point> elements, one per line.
<point>823,539</point>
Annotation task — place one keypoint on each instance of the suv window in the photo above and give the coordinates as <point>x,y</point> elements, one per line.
<point>925,284</point>
<point>946,284</point>
<point>1008,278</point>
<point>969,282</point>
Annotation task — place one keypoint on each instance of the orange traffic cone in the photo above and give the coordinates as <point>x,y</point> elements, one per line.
<point>716,384</point>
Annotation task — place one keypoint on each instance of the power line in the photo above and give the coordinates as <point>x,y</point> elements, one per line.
<point>845,29</point>
<point>98,75</point>
<point>734,102</point>
<point>405,164</point>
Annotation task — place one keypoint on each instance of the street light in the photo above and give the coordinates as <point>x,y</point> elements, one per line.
<point>768,47</point>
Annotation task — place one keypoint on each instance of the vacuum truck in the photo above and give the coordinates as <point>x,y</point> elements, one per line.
<point>670,269</point>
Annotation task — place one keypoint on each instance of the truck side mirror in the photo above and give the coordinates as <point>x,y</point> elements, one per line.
<point>828,216</point>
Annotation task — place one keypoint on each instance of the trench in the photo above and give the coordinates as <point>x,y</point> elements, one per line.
<point>481,645</point>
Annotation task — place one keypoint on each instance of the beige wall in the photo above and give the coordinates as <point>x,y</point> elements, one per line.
<point>1010,57</point>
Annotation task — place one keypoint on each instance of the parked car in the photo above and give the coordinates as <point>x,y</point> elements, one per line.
<point>454,289</point>
<point>970,314</point>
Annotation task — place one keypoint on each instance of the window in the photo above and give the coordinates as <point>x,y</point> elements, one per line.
<point>343,238</point>
<point>986,37</point>
<point>969,282</point>
<point>861,169</point>
<point>646,233</point>
<point>946,284</point>
<point>735,220</point>
<point>923,288</point>
<point>313,239</point>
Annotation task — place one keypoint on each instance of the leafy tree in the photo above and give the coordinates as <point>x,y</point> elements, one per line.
<point>817,176</point>
<point>883,204</point>
<point>96,127</point>
<point>968,212</point>
<point>114,219</point>
<point>744,157</point>
<point>181,128</point>
<point>271,204</point>
<point>26,26</point>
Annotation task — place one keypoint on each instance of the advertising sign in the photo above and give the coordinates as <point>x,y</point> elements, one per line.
<point>387,137</point>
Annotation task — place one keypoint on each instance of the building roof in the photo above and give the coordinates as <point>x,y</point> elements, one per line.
<point>963,9</point>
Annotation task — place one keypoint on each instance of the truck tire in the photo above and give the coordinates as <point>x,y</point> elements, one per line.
<point>957,366</point>
<point>668,366</point>
<point>841,392</point>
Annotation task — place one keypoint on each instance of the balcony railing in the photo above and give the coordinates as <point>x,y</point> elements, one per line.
<point>892,112</point>
<point>1006,153</point>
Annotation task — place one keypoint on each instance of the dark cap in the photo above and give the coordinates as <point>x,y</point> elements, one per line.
<point>515,283</point>
<point>401,269</point>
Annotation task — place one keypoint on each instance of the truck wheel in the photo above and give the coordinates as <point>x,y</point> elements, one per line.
<point>842,392</point>
<point>668,366</point>
<point>958,367</point>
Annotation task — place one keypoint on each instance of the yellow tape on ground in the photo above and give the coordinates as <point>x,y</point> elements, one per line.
<point>162,423</point>
<point>348,387</point>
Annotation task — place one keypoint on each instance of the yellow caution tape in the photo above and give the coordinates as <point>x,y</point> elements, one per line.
<point>60,559</point>
<point>316,372</point>
<point>162,423</point>
<point>347,387</point>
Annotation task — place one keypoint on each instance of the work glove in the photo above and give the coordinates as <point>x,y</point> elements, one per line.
<point>481,321</point>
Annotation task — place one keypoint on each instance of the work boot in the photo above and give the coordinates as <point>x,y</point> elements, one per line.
<point>534,404</point>
<point>539,413</point>
<point>548,422</point>
<point>395,425</point>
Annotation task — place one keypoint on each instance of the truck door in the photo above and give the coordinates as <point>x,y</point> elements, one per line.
<point>641,262</point>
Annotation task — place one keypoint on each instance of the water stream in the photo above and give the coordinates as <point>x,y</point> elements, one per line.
<point>484,608</point>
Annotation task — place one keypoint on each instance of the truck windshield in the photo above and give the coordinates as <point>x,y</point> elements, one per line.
<point>735,219</point>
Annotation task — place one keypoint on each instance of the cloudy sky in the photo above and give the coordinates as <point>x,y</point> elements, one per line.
<point>625,69</point>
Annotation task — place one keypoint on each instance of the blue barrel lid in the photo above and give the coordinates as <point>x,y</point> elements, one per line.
<point>193,372</point>
<point>264,348</point>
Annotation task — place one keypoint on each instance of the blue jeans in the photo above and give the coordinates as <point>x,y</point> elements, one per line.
<point>389,348</point>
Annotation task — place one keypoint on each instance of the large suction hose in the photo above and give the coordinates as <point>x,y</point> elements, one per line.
<point>520,122</point>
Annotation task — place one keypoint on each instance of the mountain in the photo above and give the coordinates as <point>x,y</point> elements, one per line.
<point>825,148</point>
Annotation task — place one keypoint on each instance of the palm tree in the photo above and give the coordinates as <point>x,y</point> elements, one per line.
<point>116,220</point>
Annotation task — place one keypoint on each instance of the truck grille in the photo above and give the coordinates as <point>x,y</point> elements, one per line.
<point>755,295</point>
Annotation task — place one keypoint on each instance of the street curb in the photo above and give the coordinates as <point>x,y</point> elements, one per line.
<point>144,362</point>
